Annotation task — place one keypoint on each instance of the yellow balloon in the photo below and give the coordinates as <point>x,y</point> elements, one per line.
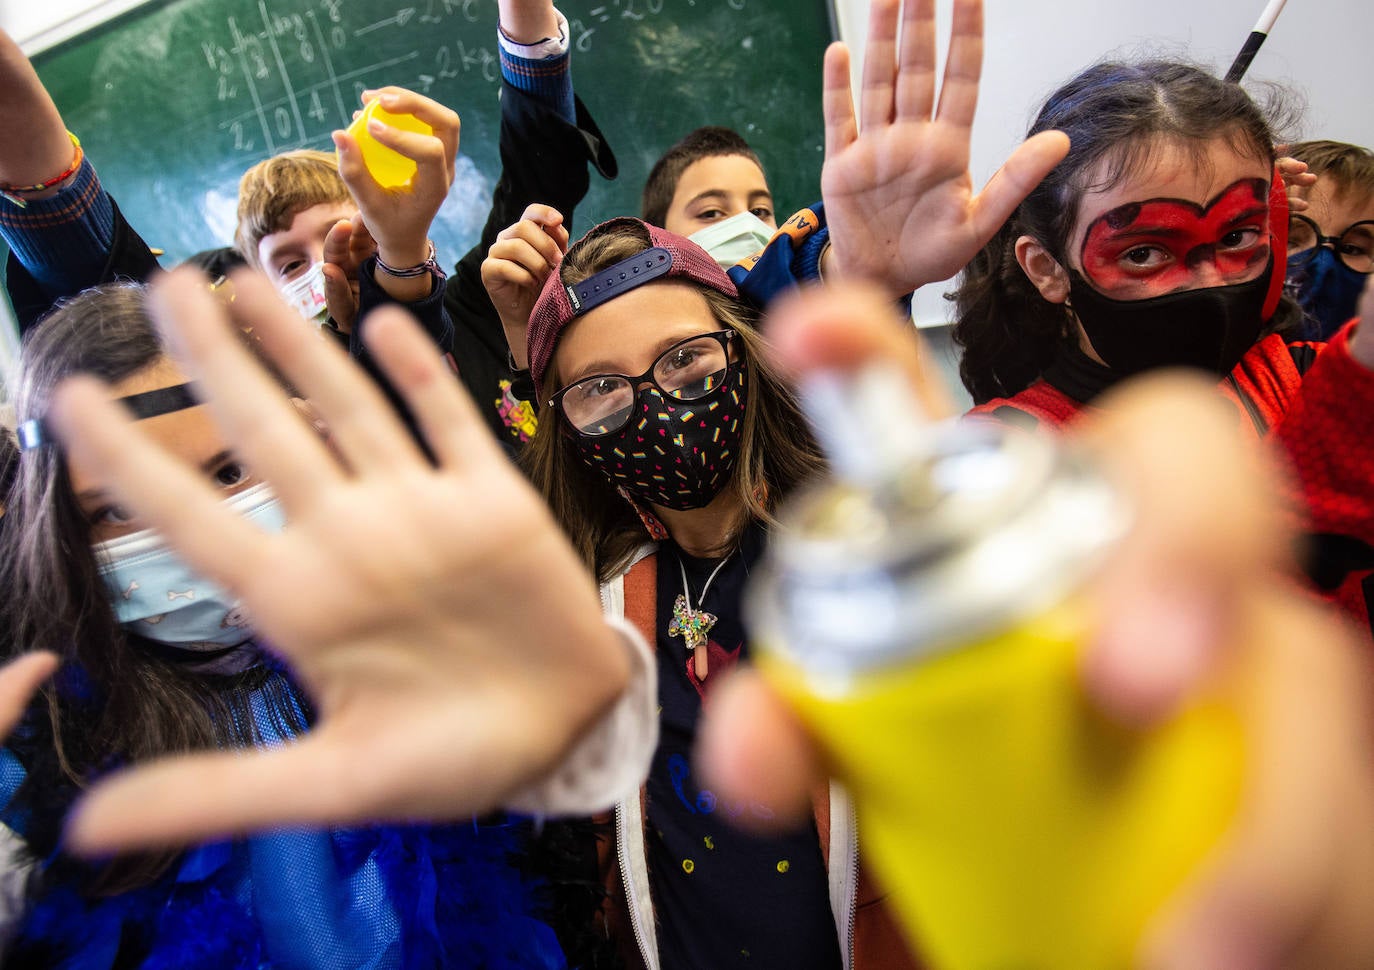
<point>388,167</point>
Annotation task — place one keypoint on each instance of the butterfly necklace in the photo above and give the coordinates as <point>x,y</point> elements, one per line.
<point>694,625</point>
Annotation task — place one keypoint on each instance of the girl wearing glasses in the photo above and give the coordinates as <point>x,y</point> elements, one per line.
<point>668,443</point>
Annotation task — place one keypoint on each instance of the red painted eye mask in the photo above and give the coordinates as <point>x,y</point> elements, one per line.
<point>1169,238</point>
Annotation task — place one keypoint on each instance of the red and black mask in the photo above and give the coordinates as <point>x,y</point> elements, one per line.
<point>1157,246</point>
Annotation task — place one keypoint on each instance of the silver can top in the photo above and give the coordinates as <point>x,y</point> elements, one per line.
<point>978,525</point>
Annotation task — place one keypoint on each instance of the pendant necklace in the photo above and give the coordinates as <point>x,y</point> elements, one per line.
<point>694,626</point>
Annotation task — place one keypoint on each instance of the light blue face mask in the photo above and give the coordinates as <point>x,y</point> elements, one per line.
<point>733,239</point>
<point>156,595</point>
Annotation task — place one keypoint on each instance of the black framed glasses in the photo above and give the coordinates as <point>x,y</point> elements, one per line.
<point>687,371</point>
<point>1354,246</point>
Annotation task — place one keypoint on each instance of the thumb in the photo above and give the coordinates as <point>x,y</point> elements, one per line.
<point>336,242</point>
<point>1362,342</point>
<point>18,680</point>
<point>338,296</point>
<point>193,798</point>
<point>1024,169</point>
<point>752,748</point>
<point>352,168</point>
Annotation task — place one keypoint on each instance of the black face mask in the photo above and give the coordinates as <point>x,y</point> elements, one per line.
<point>1209,328</point>
<point>681,453</point>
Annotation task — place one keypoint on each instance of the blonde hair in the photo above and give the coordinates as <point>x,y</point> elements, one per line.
<point>1349,168</point>
<point>275,190</point>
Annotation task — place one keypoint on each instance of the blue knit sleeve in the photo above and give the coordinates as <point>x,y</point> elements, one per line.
<point>64,241</point>
<point>542,70</point>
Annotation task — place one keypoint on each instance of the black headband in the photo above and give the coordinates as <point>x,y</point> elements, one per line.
<point>147,404</point>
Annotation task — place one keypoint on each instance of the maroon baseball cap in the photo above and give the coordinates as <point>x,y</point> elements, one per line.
<point>667,256</point>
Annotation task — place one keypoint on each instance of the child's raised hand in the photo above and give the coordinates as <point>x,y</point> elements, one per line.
<point>400,589</point>
<point>1297,179</point>
<point>899,198</point>
<point>399,219</point>
<point>516,267</point>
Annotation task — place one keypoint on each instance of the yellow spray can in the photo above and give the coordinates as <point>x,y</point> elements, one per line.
<point>924,617</point>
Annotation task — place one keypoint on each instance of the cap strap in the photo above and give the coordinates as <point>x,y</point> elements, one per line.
<point>619,278</point>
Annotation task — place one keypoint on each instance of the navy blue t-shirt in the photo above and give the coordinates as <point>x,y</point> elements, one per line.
<point>722,898</point>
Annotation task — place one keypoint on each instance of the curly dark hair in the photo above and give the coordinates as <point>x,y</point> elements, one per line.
<point>1114,113</point>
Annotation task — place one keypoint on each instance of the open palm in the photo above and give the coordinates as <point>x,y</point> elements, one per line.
<point>898,195</point>
<point>400,589</point>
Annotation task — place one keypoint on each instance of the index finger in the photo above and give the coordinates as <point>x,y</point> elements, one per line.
<point>837,101</point>
<point>19,679</point>
<point>249,406</point>
<point>535,236</point>
<point>443,120</point>
<point>846,327</point>
<point>546,215</point>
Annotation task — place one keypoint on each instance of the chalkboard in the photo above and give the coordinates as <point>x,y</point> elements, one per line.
<point>174,100</point>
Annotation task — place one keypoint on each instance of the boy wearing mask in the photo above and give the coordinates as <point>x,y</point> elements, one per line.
<point>1331,243</point>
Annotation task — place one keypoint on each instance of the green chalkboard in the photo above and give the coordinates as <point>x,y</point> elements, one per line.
<point>175,99</point>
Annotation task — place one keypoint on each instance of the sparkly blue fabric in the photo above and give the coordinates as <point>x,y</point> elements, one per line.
<point>320,899</point>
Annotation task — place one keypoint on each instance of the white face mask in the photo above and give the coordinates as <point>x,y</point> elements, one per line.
<point>733,239</point>
<point>305,294</point>
<point>156,595</point>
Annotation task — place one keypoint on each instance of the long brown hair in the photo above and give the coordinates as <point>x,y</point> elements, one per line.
<point>1112,112</point>
<point>777,451</point>
<point>116,700</point>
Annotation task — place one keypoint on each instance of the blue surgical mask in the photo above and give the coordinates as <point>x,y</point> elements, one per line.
<point>157,596</point>
<point>731,240</point>
<point>1327,289</point>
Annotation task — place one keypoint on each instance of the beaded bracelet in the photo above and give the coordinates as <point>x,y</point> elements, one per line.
<point>13,192</point>
<point>430,265</point>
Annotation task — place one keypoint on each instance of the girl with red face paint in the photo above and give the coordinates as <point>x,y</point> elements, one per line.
<point>1159,241</point>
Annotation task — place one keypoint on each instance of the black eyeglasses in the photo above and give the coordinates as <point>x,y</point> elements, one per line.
<point>687,371</point>
<point>1354,246</point>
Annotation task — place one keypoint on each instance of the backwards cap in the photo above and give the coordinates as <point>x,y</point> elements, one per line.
<point>668,256</point>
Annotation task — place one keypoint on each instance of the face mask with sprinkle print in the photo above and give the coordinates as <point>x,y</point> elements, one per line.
<point>674,454</point>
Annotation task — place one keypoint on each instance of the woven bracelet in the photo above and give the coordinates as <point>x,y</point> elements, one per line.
<point>430,265</point>
<point>14,192</point>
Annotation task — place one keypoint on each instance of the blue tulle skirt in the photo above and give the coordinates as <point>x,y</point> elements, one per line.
<point>413,896</point>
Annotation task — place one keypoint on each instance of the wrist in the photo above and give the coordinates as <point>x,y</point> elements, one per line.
<point>533,37</point>
<point>408,262</point>
<point>21,194</point>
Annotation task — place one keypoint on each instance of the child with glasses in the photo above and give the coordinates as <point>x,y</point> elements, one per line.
<point>669,442</point>
<point>1331,243</point>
